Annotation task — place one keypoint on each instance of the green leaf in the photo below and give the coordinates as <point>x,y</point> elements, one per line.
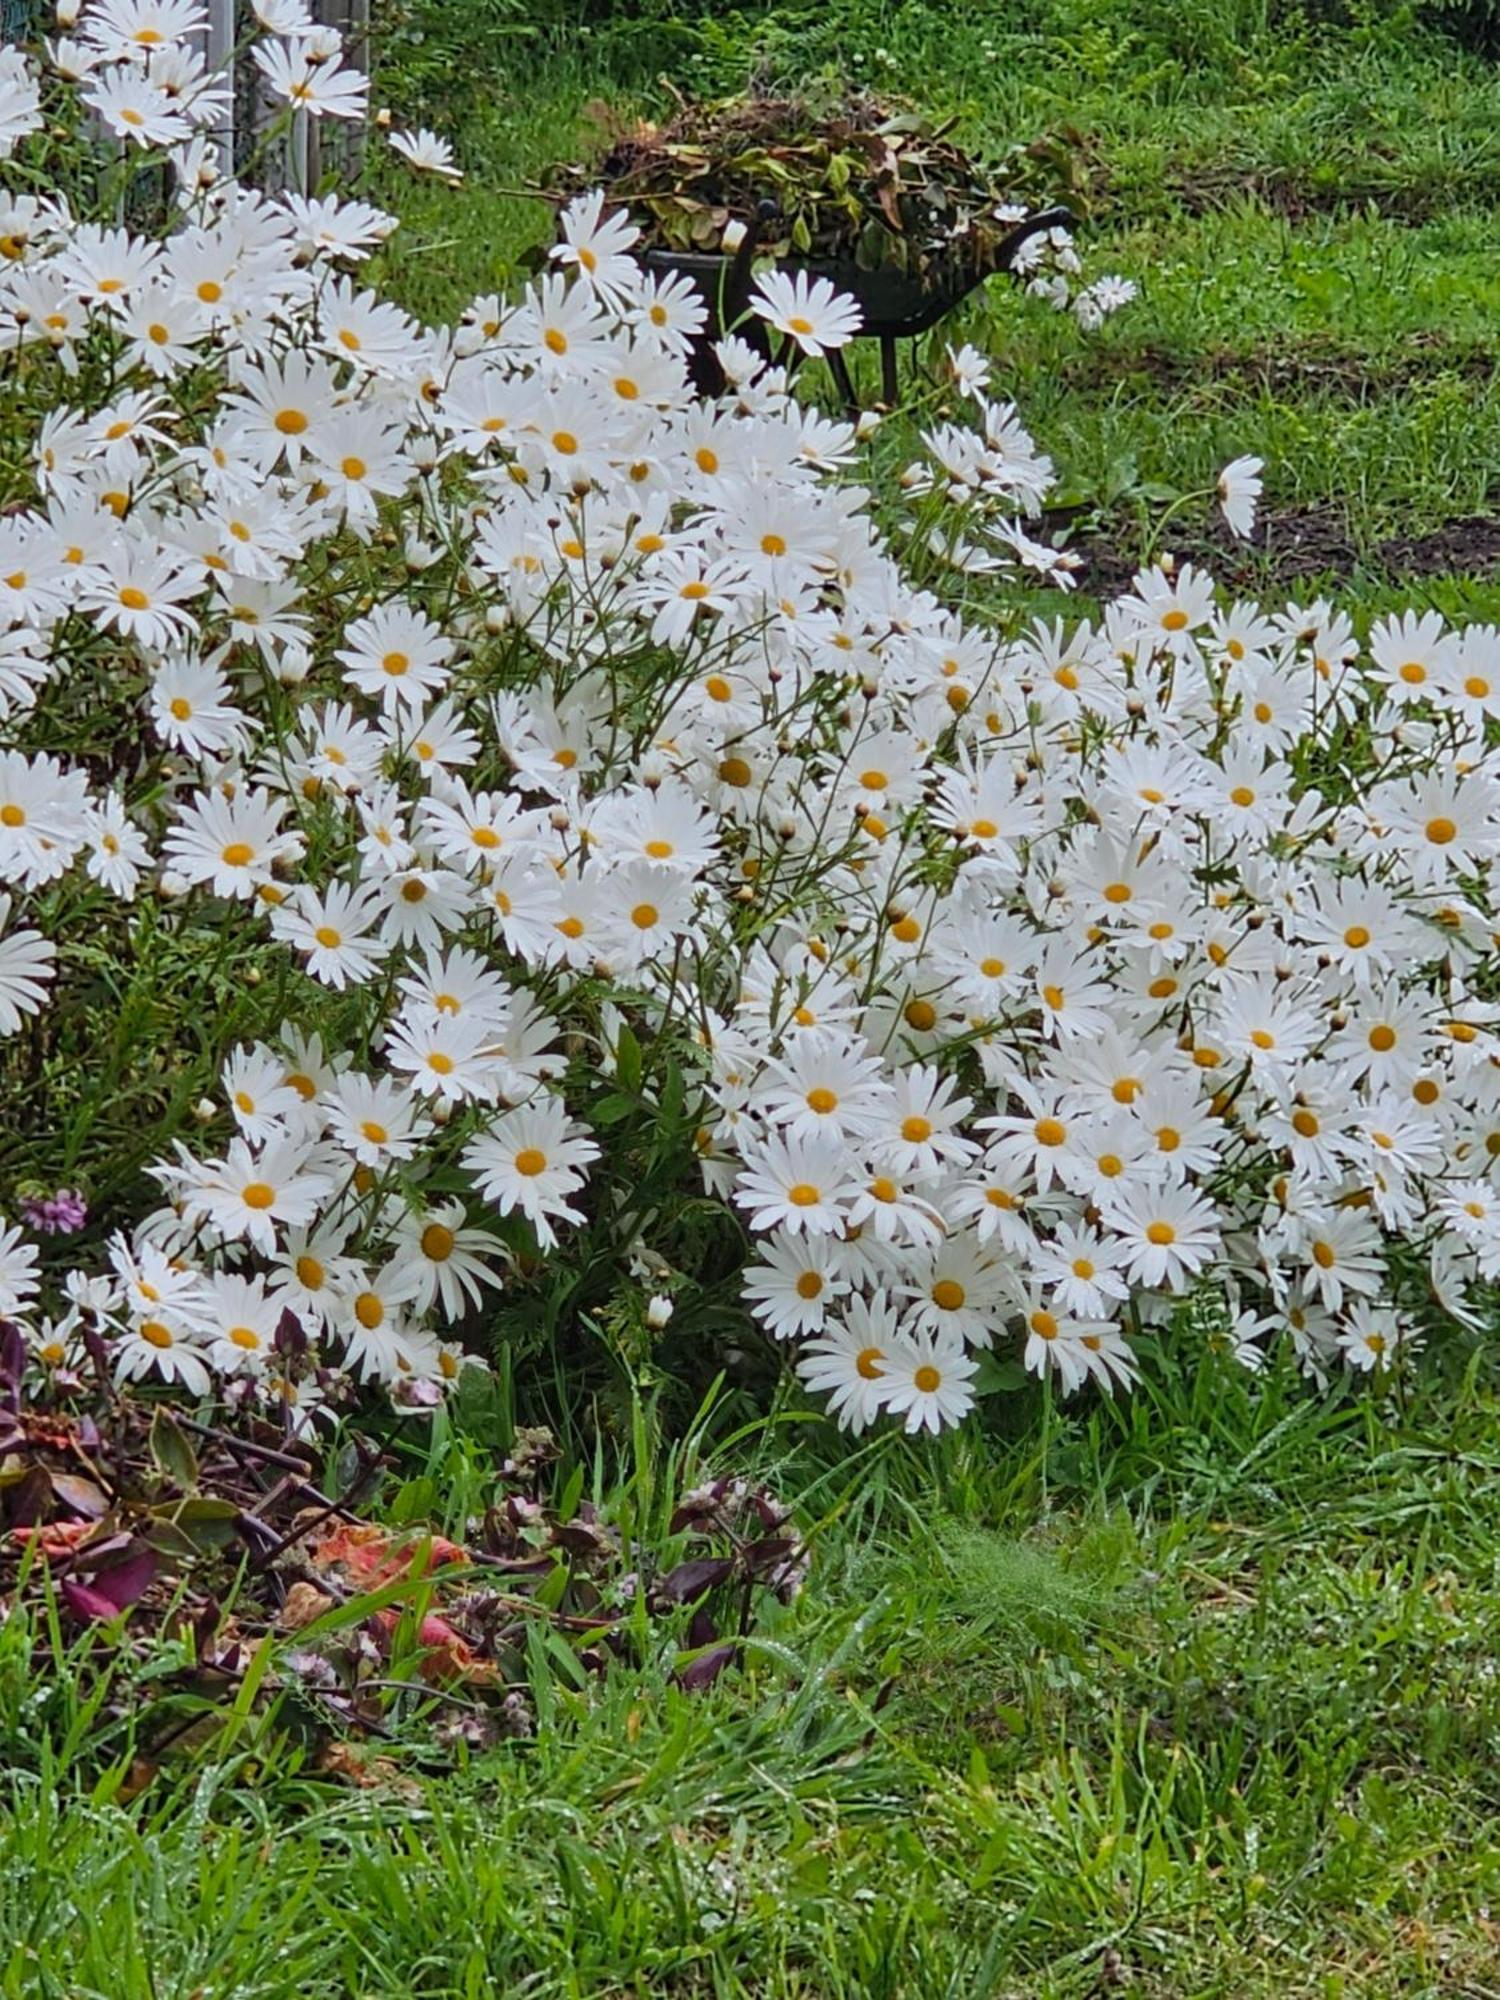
<point>628,1060</point>
<point>612,1109</point>
<point>998,1378</point>
<point>170,1449</point>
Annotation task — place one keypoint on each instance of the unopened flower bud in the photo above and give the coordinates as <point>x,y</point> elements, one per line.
<point>658,1312</point>
<point>205,1111</point>
<point>733,237</point>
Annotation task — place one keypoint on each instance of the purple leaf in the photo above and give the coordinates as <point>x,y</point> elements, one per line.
<point>126,1581</point>
<point>12,1359</point>
<point>706,1669</point>
<point>86,1602</point>
<point>80,1495</point>
<point>692,1579</point>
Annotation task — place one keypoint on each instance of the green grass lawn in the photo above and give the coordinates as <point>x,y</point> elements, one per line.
<point>1312,225</point>
<point>1194,1695</point>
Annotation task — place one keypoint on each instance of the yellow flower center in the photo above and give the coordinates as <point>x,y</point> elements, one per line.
<point>437,1242</point>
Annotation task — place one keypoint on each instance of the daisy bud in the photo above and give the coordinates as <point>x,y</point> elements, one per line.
<point>496,618</point>
<point>424,452</point>
<point>205,1111</point>
<point>67,13</point>
<point>383,118</point>
<point>252,975</point>
<point>869,422</point>
<point>733,237</point>
<point>560,818</point>
<point>294,665</point>
<point>440,1111</point>
<point>658,1312</point>
<point>171,886</point>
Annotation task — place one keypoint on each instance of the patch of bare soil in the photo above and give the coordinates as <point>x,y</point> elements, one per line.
<point>1284,371</point>
<point>1297,546</point>
<point>1298,192</point>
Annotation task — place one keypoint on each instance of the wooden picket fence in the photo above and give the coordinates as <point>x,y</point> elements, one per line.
<point>313,148</point>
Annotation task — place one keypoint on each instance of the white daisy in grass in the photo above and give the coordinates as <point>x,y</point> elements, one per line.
<point>929,1381</point>
<point>459,984</point>
<point>371,1319</point>
<point>794,1286</point>
<point>321,89</point>
<point>237,1320</point>
<point>247,1196</point>
<point>1239,487</point>
<point>261,1101</point>
<point>598,245</point>
<point>374,1120</point>
<point>338,932</point>
<point>531,1161</point>
<point>231,845</point>
<point>313,1269</point>
<point>809,310</point>
<point>1169,1233</point>
<point>43,818</point>
<point>1372,1336</point>
<point>397,656</point>
<point>452,1263</point>
<point>445,1056</point>
<point>958,1294</point>
<point>800,1185</point>
<point>28,963</point>
<point>921,1134</point>
<point>19,1283</point>
<point>827,1085</point>
<point>428,153</point>
<point>850,1360</point>
<point>1082,1268</point>
<point>161,1345</point>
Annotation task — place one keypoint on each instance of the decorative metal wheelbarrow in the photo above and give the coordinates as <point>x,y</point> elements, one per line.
<point>897,305</point>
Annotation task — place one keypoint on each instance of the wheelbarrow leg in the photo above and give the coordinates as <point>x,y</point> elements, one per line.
<point>890,383</point>
<point>839,369</point>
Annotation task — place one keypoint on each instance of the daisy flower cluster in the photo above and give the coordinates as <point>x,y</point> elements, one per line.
<point>1030,985</point>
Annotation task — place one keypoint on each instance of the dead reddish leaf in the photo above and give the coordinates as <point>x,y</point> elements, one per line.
<point>57,1538</point>
<point>368,1773</point>
<point>304,1603</point>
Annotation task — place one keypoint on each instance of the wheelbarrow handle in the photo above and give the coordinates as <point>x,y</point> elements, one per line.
<point>1010,246</point>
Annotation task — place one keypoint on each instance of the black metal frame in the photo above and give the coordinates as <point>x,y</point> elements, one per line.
<point>897,305</point>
